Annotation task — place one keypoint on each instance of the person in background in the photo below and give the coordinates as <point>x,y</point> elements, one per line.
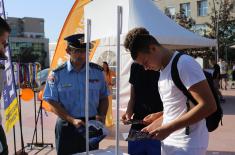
<point>109,74</point>
<point>216,78</point>
<point>224,73</point>
<point>144,102</point>
<point>233,77</point>
<point>234,67</point>
<point>4,33</point>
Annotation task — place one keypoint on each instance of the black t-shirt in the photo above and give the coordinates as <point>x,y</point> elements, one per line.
<point>147,98</point>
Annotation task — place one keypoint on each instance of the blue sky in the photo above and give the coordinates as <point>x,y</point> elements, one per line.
<point>53,11</point>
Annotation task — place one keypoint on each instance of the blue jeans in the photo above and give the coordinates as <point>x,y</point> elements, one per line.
<point>144,147</point>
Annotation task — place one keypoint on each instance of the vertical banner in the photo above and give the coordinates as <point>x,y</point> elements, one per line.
<point>9,91</point>
<point>74,24</point>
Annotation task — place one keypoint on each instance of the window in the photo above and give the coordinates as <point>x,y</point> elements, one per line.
<point>170,12</point>
<point>186,8</point>
<point>202,8</point>
<point>233,2</point>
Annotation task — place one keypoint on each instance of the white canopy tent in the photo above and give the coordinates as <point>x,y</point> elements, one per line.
<point>106,21</point>
<point>141,13</point>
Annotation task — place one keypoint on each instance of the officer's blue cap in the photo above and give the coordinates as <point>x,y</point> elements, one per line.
<point>76,41</point>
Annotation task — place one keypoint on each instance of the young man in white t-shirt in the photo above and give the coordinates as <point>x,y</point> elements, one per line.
<point>170,128</point>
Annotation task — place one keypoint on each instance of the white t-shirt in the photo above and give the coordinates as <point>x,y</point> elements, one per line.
<point>223,67</point>
<point>174,103</point>
<point>1,88</point>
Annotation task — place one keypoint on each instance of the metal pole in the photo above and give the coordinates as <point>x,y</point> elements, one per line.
<point>119,23</point>
<point>14,136</point>
<point>35,114</point>
<point>87,84</point>
<point>217,38</point>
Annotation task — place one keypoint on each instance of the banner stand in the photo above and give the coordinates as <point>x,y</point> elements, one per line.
<point>22,151</point>
<point>31,85</point>
<point>14,136</point>
<point>38,144</point>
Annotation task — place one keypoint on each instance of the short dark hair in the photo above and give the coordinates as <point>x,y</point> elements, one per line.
<point>141,43</point>
<point>132,34</point>
<point>4,27</point>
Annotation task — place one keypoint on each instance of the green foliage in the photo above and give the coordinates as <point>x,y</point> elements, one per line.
<point>221,17</point>
<point>26,55</point>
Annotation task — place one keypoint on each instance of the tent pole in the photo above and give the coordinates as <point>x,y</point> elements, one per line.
<point>87,84</point>
<point>119,23</point>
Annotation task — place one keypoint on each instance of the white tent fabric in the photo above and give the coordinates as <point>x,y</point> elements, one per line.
<point>141,13</point>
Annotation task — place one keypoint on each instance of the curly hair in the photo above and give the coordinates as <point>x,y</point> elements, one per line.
<point>132,35</point>
<point>141,43</point>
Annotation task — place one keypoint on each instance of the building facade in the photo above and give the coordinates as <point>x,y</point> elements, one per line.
<point>29,33</point>
<point>199,10</point>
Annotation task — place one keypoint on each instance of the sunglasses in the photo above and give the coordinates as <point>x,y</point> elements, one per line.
<point>77,50</point>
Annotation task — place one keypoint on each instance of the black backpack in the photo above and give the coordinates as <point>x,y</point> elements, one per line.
<point>212,121</point>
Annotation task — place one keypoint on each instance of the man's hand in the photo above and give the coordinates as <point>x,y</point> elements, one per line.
<point>153,126</point>
<point>162,132</point>
<point>152,117</point>
<point>126,117</point>
<point>78,123</point>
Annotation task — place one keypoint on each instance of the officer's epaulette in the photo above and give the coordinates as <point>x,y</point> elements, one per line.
<point>96,66</point>
<point>60,67</point>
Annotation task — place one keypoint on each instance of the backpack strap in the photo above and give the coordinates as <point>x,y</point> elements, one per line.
<point>179,84</point>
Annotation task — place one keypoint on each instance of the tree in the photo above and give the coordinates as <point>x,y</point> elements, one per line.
<point>189,23</point>
<point>222,25</point>
<point>42,58</point>
<point>183,20</point>
<point>26,55</point>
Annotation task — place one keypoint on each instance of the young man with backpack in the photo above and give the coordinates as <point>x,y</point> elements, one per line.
<point>144,100</point>
<point>182,128</point>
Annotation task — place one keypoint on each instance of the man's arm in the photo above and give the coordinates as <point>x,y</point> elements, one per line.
<point>60,112</point>
<point>102,109</point>
<point>131,102</point>
<point>206,106</point>
<point>130,106</point>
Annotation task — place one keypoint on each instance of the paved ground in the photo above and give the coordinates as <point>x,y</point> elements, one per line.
<point>222,141</point>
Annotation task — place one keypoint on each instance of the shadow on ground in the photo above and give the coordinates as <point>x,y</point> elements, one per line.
<point>219,153</point>
<point>229,106</point>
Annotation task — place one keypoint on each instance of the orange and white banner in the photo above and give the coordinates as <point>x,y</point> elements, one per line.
<point>74,24</point>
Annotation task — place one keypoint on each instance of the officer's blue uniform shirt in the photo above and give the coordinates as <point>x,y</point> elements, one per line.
<point>66,86</point>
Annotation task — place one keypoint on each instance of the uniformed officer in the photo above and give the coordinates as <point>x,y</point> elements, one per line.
<point>65,92</point>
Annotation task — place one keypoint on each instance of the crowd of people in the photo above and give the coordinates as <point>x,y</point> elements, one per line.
<point>160,105</point>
